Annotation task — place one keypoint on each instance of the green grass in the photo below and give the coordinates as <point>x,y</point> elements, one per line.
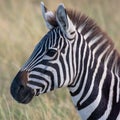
<point>21,27</point>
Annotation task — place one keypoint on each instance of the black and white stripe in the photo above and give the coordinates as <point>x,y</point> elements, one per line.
<point>84,62</point>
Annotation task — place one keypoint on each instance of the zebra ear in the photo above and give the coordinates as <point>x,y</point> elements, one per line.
<point>46,15</point>
<point>64,22</point>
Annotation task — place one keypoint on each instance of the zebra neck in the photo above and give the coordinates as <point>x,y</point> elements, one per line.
<point>95,84</point>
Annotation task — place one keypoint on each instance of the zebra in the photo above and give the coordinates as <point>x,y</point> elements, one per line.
<point>77,54</point>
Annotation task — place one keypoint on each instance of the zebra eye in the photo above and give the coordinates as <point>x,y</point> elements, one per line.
<point>51,52</point>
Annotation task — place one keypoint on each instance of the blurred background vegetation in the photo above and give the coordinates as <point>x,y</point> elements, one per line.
<point>21,27</point>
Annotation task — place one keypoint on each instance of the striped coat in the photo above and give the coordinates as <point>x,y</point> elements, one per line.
<point>77,54</point>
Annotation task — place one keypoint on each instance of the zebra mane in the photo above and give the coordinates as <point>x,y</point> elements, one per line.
<point>87,25</point>
<point>84,22</point>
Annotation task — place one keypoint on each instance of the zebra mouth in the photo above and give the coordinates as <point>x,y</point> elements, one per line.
<point>26,95</point>
<point>26,99</point>
<point>23,95</point>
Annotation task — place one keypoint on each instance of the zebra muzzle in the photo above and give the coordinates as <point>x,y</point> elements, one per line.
<point>21,93</point>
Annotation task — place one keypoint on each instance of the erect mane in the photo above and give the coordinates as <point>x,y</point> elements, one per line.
<point>86,24</point>
<point>81,20</point>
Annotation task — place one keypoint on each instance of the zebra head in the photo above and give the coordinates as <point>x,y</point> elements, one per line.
<point>51,64</point>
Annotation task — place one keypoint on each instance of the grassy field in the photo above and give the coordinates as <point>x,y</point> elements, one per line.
<point>21,27</point>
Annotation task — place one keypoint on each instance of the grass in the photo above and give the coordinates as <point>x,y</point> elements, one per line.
<point>21,26</point>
